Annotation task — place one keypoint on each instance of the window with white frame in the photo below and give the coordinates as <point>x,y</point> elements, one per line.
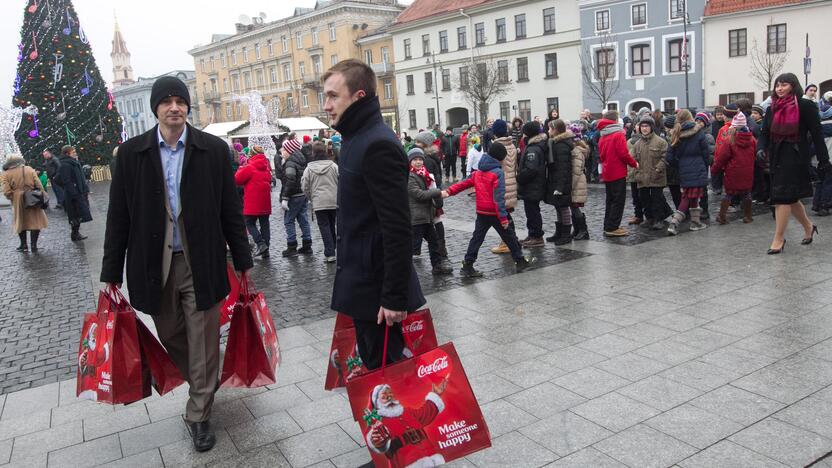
<point>304,99</point>
<point>233,57</point>
<point>412,117</point>
<point>551,61</point>
<point>225,87</point>
<point>385,55</point>
<point>273,75</point>
<point>409,83</point>
<point>522,69</point>
<point>669,105</point>
<point>677,9</point>
<point>258,78</point>
<point>211,61</point>
<point>446,79</point>
<point>247,80</point>
<point>500,25</point>
<point>463,77</point>
<point>290,102</point>
<point>524,109</point>
<point>228,110</point>
<point>222,59</point>
<point>479,34</point>
<point>320,99</point>
<point>431,116</point>
<point>388,90</point>
<point>317,68</point>
<point>605,63</point>
<point>285,43</point>
<point>235,83</point>
<point>602,20</point>
<point>549,20</point>
<point>428,82</point>
<point>287,72</point>
<point>502,71</point>
<point>333,59</point>
<point>737,42</point>
<point>612,106</point>
<point>461,38</point>
<point>270,47</point>
<point>639,15</point>
<point>776,39</point>
<point>443,41</point>
<point>245,54</point>
<point>505,110</point>
<point>520,26</point>
<point>298,40</point>
<point>425,45</point>
<point>640,56</point>
<point>675,52</point>
<point>332,31</point>
<point>368,56</point>
<point>257,51</point>
<point>301,69</point>
<point>314,36</point>
<point>406,44</point>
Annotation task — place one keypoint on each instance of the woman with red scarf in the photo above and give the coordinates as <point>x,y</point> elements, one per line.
<point>784,139</point>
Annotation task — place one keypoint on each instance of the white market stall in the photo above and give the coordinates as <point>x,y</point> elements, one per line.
<point>224,129</point>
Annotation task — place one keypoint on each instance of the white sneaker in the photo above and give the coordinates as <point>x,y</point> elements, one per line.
<point>330,259</point>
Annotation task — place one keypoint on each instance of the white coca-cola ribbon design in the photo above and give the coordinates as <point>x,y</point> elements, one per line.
<point>417,325</point>
<point>439,364</point>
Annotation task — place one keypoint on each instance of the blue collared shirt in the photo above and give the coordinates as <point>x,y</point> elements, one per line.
<point>172,159</point>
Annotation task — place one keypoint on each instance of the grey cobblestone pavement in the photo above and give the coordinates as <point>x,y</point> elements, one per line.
<point>44,295</point>
<point>694,351</point>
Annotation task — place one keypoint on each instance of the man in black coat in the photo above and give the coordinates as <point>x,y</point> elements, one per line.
<point>173,209</point>
<point>76,192</point>
<point>450,150</point>
<point>375,282</point>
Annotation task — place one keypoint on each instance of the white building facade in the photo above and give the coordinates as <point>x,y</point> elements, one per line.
<point>731,31</point>
<point>133,102</point>
<point>534,45</point>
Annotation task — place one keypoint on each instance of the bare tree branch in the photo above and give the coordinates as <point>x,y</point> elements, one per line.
<point>483,85</point>
<point>600,78</point>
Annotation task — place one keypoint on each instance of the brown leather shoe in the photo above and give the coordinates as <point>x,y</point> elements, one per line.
<point>534,242</point>
<point>620,232</point>
<point>500,249</point>
<point>635,220</point>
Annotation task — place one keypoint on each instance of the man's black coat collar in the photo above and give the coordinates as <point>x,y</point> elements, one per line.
<point>361,113</point>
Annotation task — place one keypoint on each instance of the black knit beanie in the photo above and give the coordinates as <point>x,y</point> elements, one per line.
<point>167,86</point>
<point>531,129</point>
<point>497,151</point>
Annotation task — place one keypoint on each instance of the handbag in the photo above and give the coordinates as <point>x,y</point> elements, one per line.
<point>34,198</point>
<point>419,411</point>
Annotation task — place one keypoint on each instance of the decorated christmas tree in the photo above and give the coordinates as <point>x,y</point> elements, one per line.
<point>60,87</point>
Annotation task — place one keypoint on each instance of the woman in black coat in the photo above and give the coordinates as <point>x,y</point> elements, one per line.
<point>785,140</point>
<point>76,192</point>
<point>559,179</point>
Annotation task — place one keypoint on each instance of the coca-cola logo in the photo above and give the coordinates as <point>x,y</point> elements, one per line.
<point>417,325</point>
<point>437,365</point>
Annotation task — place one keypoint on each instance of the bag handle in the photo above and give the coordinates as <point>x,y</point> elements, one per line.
<point>384,351</point>
<point>244,289</point>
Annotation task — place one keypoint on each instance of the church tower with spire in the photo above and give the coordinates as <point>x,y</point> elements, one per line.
<point>122,70</point>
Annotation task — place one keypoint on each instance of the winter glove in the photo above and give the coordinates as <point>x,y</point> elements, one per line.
<point>761,155</point>
<point>284,205</point>
<point>824,169</point>
<point>557,192</point>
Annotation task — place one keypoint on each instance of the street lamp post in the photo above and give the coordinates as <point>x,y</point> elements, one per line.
<point>685,53</point>
<point>432,60</point>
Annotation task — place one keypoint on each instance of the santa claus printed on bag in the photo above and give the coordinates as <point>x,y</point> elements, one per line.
<point>94,360</point>
<point>399,432</point>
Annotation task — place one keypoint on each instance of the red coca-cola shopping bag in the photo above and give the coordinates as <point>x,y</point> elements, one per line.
<point>333,370</point>
<point>232,301</point>
<point>419,412</point>
<point>252,354</point>
<point>419,337</point>
<point>109,358</point>
<point>161,371</point>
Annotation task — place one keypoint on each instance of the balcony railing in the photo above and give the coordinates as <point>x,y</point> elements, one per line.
<point>211,96</point>
<point>311,80</point>
<point>383,68</point>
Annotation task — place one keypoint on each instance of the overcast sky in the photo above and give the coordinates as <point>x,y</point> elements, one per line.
<point>159,33</point>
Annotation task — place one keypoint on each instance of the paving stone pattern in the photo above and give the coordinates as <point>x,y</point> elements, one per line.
<point>695,351</point>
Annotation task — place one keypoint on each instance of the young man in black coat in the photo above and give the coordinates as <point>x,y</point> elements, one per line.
<point>375,282</point>
<point>531,182</point>
<point>76,192</point>
<point>173,209</point>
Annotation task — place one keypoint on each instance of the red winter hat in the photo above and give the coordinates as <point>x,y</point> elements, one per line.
<point>306,139</point>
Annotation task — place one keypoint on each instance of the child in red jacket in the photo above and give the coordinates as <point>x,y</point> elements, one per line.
<point>490,184</point>
<point>615,158</point>
<point>734,155</point>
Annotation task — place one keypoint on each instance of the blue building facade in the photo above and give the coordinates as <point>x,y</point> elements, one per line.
<point>635,52</point>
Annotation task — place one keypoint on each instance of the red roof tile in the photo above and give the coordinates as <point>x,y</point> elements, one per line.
<point>721,7</point>
<point>420,9</point>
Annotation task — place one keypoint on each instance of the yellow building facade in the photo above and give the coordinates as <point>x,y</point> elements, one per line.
<point>285,59</point>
